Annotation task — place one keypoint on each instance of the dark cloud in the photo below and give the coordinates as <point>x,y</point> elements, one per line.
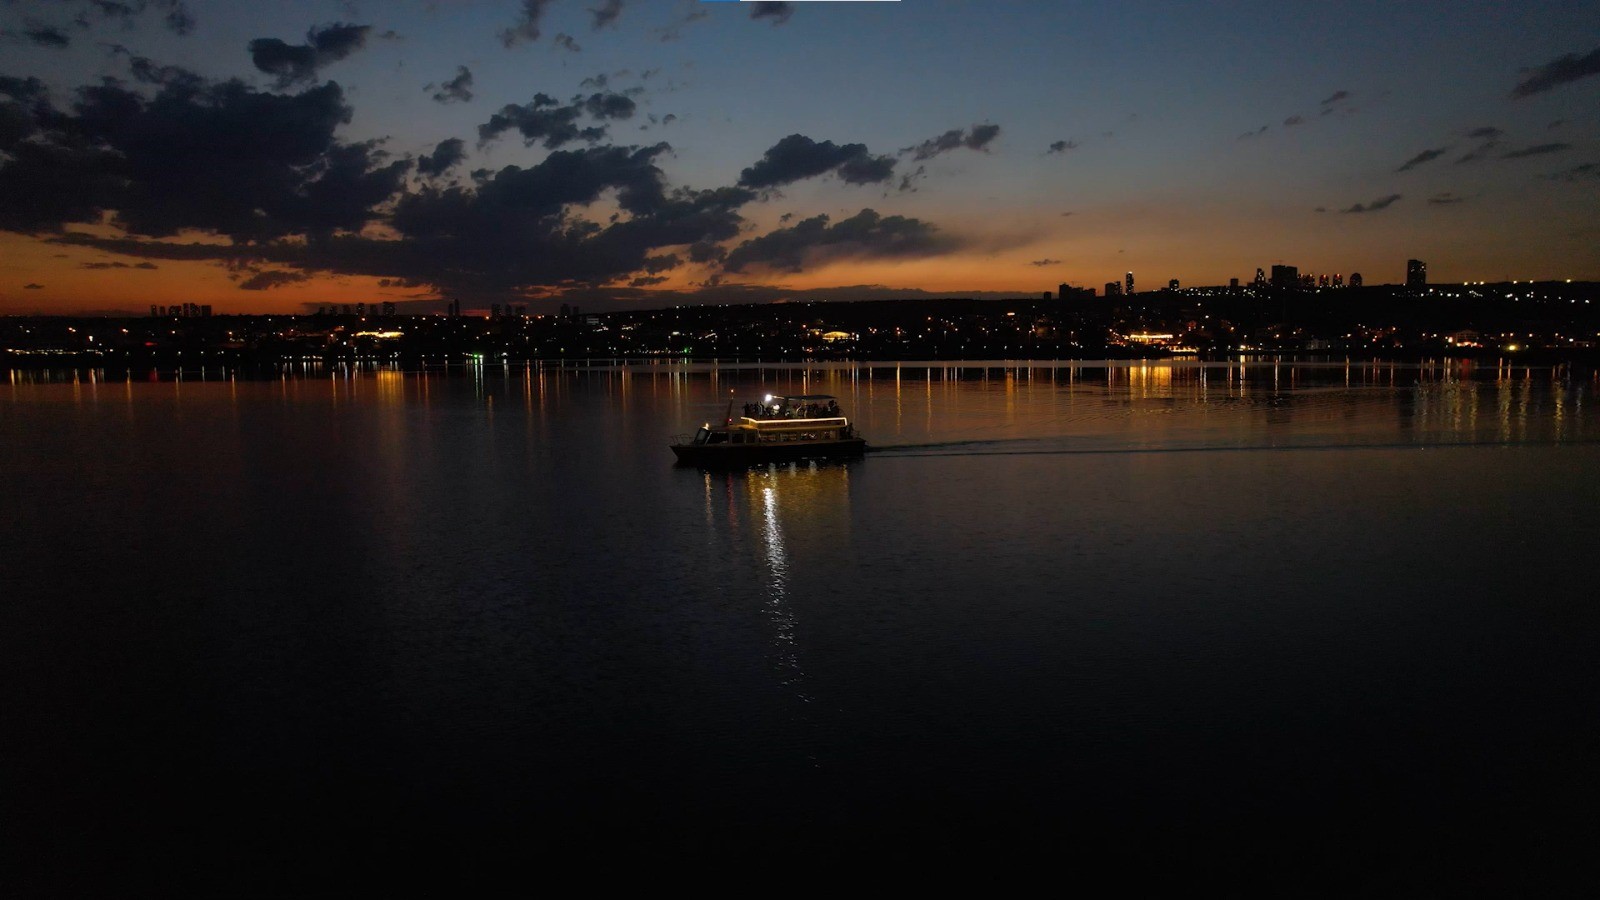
<point>1335,97</point>
<point>1045,262</point>
<point>456,90</point>
<point>1293,121</point>
<point>1423,157</point>
<point>1062,146</point>
<point>177,18</point>
<point>42,36</point>
<point>119,265</point>
<point>1577,173</point>
<point>545,120</point>
<point>606,13</point>
<point>864,235</point>
<point>1486,133</point>
<point>975,138</point>
<point>798,157</point>
<point>296,63</point>
<point>609,106</point>
<point>600,81</point>
<point>446,156</point>
<point>1251,134</point>
<point>688,13</point>
<point>1556,124</point>
<point>909,180</point>
<point>1066,214</point>
<point>1557,72</point>
<point>221,157</point>
<point>1445,199</point>
<point>1374,206</point>
<point>568,42</point>
<point>32,286</point>
<point>779,13</point>
<point>266,280</point>
<point>526,28</point>
<point>149,72</point>
<point>1536,150</point>
<point>668,119</point>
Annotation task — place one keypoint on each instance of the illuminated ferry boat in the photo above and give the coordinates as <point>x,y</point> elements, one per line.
<point>779,429</point>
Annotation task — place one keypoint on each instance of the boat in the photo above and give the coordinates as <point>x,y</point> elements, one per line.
<point>778,429</point>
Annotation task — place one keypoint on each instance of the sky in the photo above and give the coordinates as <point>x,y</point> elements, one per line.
<point>645,153</point>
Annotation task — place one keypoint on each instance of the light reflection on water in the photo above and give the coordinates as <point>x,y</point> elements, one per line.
<point>1057,591</point>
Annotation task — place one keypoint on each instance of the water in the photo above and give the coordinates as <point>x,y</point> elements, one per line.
<point>1326,621</point>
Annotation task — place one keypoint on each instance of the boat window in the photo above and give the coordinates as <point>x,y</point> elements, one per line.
<point>701,435</point>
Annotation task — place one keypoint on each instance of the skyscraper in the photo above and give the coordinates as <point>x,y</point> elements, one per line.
<point>1355,279</point>
<point>1130,284</point>
<point>1285,276</point>
<point>1113,289</point>
<point>1416,273</point>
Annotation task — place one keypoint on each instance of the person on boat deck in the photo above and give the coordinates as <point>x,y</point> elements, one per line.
<point>833,407</point>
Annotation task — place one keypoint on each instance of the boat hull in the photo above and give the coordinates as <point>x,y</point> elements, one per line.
<point>739,456</point>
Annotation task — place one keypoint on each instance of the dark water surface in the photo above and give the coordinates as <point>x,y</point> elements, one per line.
<point>1328,622</point>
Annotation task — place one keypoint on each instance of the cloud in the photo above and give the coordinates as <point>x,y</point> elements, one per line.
<point>1293,121</point>
<point>457,89</point>
<point>266,280</point>
<point>1423,157</point>
<point>606,14</point>
<point>1045,262</point>
<point>1577,173</point>
<point>526,27</point>
<point>1066,214</point>
<point>33,286</point>
<point>1335,97</point>
<point>1556,124</point>
<point>445,156</point>
<point>296,63</point>
<point>568,43</point>
<point>43,36</point>
<point>689,12</point>
<point>119,265</point>
<point>1445,199</point>
<point>797,157</point>
<point>1251,134</point>
<point>864,235</point>
<point>779,13</point>
<point>1556,72</point>
<point>1061,147</point>
<point>218,157</point>
<point>1536,150</point>
<point>1374,206</point>
<point>545,120</point>
<point>1486,133</point>
<point>976,138</point>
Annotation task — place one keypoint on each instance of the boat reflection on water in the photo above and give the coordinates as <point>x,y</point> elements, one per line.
<point>783,526</point>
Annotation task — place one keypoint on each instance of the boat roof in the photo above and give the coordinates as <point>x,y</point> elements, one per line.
<point>806,397</point>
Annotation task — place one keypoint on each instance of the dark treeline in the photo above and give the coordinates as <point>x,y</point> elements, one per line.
<point>1543,320</point>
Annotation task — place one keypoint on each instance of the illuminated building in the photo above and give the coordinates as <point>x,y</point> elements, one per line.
<point>1172,285</point>
<point>1416,273</point>
<point>1355,279</point>
<point>1113,289</point>
<point>1261,278</point>
<point>1130,284</point>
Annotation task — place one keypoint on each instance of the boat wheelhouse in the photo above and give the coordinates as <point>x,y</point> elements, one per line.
<point>778,429</point>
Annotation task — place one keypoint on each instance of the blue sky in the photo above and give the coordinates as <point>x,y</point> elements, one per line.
<point>1148,105</point>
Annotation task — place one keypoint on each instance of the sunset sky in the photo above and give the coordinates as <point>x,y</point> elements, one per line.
<point>270,157</point>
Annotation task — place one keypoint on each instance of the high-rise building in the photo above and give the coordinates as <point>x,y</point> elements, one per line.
<point>1172,285</point>
<point>1261,278</point>
<point>1233,284</point>
<point>1063,291</point>
<point>1285,276</point>
<point>1113,289</point>
<point>1416,273</point>
<point>1130,284</point>
<point>1355,279</point>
